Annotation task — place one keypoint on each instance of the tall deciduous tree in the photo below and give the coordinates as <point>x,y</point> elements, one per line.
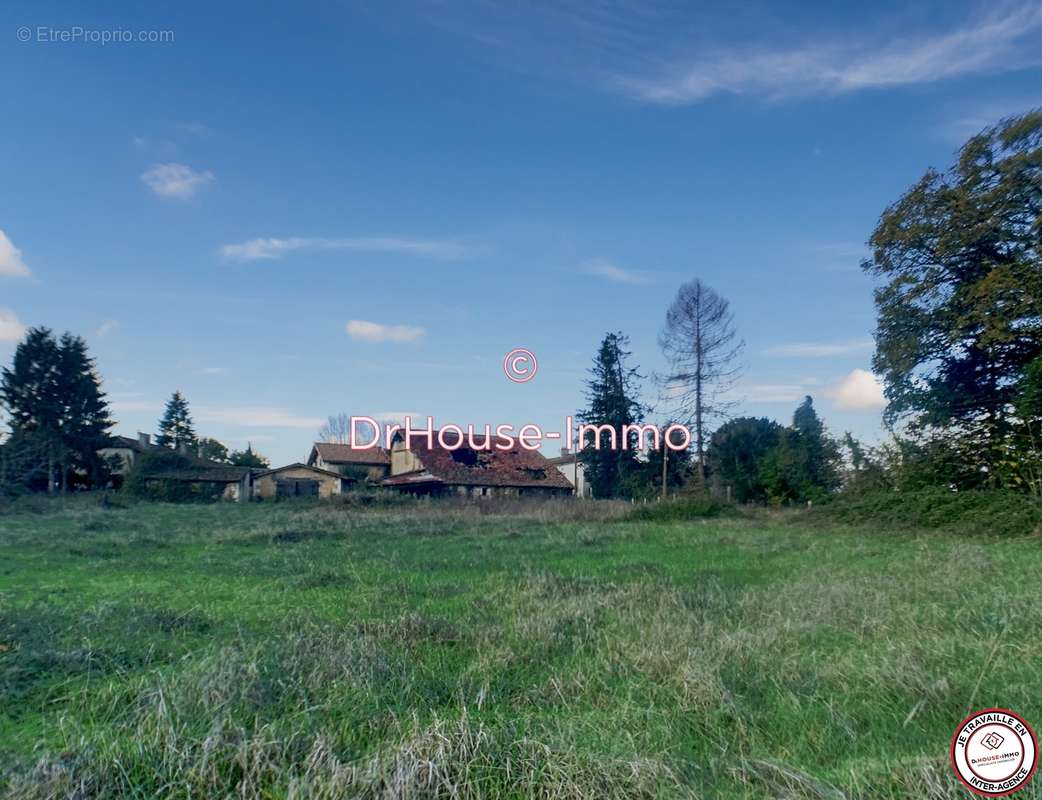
<point>248,458</point>
<point>612,396</point>
<point>959,306</point>
<point>176,429</point>
<point>212,450</point>
<point>702,349</point>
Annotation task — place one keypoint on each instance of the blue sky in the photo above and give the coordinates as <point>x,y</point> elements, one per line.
<point>211,213</point>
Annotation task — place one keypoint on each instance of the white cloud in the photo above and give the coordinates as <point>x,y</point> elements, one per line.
<point>11,330</point>
<point>820,349</point>
<point>214,370</point>
<point>613,272</point>
<point>988,44</point>
<point>858,390</point>
<point>11,263</point>
<point>175,180</point>
<point>105,328</point>
<point>270,248</point>
<point>256,416</point>
<point>361,330</point>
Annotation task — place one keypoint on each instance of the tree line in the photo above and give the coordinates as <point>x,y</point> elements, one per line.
<point>957,266</point>
<point>957,262</point>
<point>58,420</point>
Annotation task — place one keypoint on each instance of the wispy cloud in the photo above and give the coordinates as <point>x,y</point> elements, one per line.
<point>859,390</point>
<point>361,330</point>
<point>1000,41</point>
<point>973,120</point>
<point>11,263</point>
<point>105,328</point>
<point>613,272</point>
<point>821,349</point>
<point>774,393</point>
<point>256,416</point>
<point>214,370</point>
<point>175,180</point>
<point>11,330</point>
<point>271,248</point>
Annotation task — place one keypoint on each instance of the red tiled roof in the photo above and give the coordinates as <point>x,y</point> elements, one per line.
<point>333,453</point>
<point>480,467</point>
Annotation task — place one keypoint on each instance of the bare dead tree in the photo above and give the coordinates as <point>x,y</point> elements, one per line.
<point>702,349</point>
<point>336,430</point>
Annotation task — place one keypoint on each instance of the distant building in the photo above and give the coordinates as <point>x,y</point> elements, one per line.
<point>370,465</point>
<point>480,471</point>
<point>235,483</point>
<point>298,480</point>
<point>128,449</point>
<point>574,470</point>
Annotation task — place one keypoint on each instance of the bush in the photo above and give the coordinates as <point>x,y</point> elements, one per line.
<point>695,506</point>
<point>1001,513</point>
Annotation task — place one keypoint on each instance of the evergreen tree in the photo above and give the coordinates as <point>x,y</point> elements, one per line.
<point>611,392</point>
<point>175,428</point>
<point>86,420</point>
<point>53,398</point>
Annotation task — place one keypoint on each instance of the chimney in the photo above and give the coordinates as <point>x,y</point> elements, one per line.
<point>144,439</point>
<point>565,451</point>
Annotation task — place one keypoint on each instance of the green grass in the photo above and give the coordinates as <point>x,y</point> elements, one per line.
<point>433,652</point>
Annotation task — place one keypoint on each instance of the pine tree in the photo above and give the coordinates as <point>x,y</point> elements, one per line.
<point>176,429</point>
<point>86,420</point>
<point>611,392</point>
<point>53,398</point>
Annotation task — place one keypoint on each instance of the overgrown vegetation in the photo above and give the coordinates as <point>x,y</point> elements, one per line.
<point>990,512</point>
<point>290,650</point>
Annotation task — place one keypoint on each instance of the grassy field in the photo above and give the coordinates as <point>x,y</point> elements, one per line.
<point>324,651</point>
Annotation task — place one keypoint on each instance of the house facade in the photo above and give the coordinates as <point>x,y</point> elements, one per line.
<point>372,465</point>
<point>298,480</point>
<point>427,467</point>
<point>127,450</point>
<point>573,469</point>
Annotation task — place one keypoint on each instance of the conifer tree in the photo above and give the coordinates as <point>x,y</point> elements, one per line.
<point>611,392</point>
<point>176,429</point>
<point>53,398</point>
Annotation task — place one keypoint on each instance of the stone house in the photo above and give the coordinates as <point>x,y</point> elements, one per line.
<point>298,480</point>
<point>371,465</point>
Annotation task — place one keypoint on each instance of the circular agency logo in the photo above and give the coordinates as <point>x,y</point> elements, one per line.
<point>520,365</point>
<point>994,752</point>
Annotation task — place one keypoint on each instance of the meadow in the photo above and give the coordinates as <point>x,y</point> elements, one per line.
<point>566,650</point>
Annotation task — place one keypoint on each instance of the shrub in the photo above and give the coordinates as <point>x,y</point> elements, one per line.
<point>695,506</point>
<point>997,512</point>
